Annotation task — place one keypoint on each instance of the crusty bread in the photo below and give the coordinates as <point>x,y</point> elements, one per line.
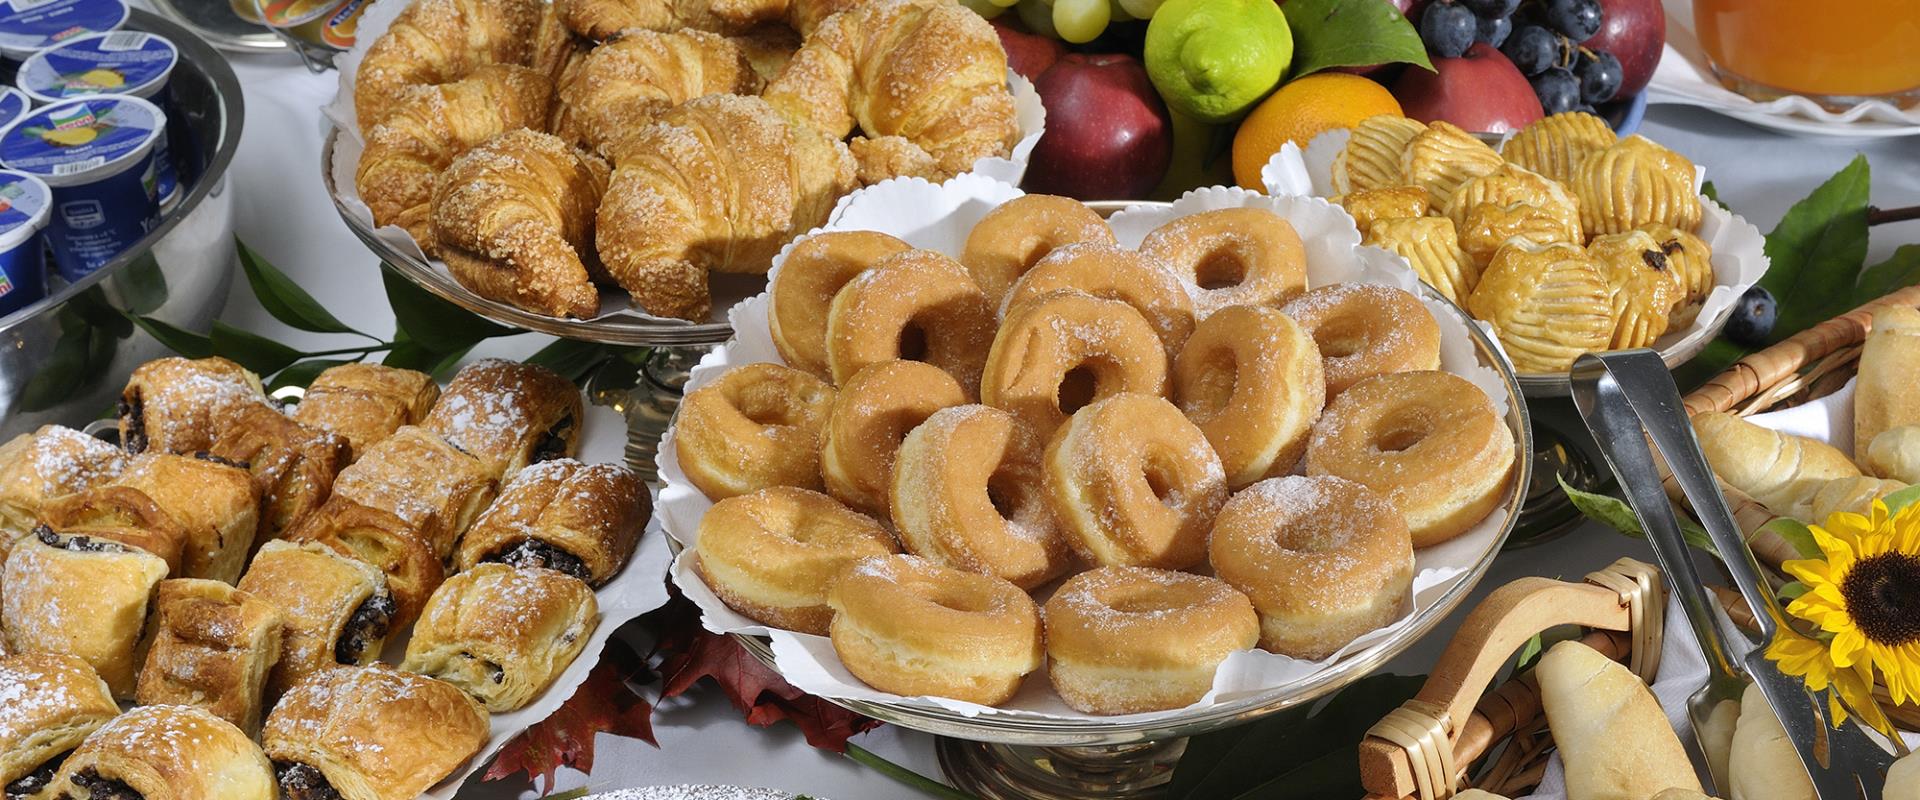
<point>1854,494</point>
<point>1895,453</point>
<point>1478,794</point>
<point>1780,470</point>
<point>1681,794</point>
<point>1764,765</point>
<point>1614,739</point>
<point>1889,369</point>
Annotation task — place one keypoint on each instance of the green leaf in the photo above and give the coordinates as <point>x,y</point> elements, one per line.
<point>302,373</point>
<point>184,342</point>
<point>574,360</point>
<point>251,350</point>
<point>141,284</point>
<point>1313,746</point>
<point>283,298</point>
<point>1350,33</point>
<point>1713,359</point>
<point>1791,591</point>
<point>1897,272</point>
<point>1898,501</point>
<point>1529,653</point>
<point>448,364</point>
<point>1817,251</point>
<point>1616,514</point>
<point>1796,533</point>
<point>435,324</point>
<point>56,380</point>
<point>92,306</point>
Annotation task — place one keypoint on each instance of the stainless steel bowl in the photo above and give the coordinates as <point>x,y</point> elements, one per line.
<point>65,358</point>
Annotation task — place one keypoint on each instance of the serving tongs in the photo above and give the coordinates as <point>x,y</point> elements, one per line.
<point>1628,397</point>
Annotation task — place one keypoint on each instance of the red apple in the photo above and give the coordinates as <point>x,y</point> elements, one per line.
<point>1029,54</point>
<point>1108,135</point>
<point>1634,31</point>
<point>1479,91</point>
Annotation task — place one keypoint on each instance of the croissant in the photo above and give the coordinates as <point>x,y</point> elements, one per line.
<point>1780,470</point>
<point>436,41</point>
<point>768,48</point>
<point>601,20</point>
<point>624,84</point>
<point>514,222</point>
<point>931,72</point>
<point>430,127</point>
<point>557,52</point>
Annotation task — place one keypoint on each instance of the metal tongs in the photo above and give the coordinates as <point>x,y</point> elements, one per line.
<point>1628,397</point>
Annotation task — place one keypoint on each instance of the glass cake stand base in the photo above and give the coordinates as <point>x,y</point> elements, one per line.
<point>991,771</point>
<point>652,401</point>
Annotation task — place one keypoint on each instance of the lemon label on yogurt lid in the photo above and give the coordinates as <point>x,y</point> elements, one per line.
<point>78,136</point>
<point>118,62</point>
<point>27,26</point>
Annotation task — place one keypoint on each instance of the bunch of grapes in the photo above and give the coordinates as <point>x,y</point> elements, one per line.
<point>1075,21</point>
<point>1541,37</point>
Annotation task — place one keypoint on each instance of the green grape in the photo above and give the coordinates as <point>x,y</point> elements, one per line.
<point>1117,12</point>
<point>1003,3</point>
<point>985,8</point>
<point>1038,16</point>
<point>1140,9</point>
<point>1079,21</point>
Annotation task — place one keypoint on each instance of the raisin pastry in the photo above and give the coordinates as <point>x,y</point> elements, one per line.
<point>509,415</point>
<point>366,403</point>
<point>1432,247</point>
<point>425,480</point>
<point>381,539</point>
<point>1636,182</point>
<point>1371,159</point>
<point>80,596</point>
<point>177,405</point>
<point>211,646</point>
<point>293,465</point>
<point>1554,146</point>
<point>214,502</point>
<point>337,609</point>
<point>581,519</point>
<point>120,514</point>
<point>370,733</point>
<point>52,702</point>
<point>1642,283</point>
<point>1442,157</point>
<point>1548,304</point>
<point>1690,260</point>
<point>50,463</point>
<point>501,633</point>
<point>166,753</point>
<point>1372,205</point>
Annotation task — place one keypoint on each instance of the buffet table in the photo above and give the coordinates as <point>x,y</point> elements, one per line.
<point>285,215</point>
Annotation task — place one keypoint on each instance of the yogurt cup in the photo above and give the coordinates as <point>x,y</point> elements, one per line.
<point>97,155</point>
<point>13,105</point>
<point>26,204</point>
<point>116,62</point>
<point>29,26</point>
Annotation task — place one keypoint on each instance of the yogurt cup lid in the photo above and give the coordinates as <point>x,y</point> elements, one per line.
<point>77,141</point>
<point>26,26</point>
<point>112,62</point>
<point>13,105</point>
<point>25,206</point>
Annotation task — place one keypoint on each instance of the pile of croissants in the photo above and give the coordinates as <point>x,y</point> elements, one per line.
<point>543,150</point>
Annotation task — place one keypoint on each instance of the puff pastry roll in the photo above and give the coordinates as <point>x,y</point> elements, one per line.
<point>1643,285</point>
<point>211,646</point>
<point>119,514</point>
<point>1554,146</point>
<point>1371,159</point>
<point>1372,205</point>
<point>45,465</point>
<point>509,415</point>
<point>1547,304</point>
<point>177,405</point>
<point>214,501</point>
<point>502,633</point>
<point>166,753</point>
<point>580,519</point>
<point>1636,182</point>
<point>380,539</point>
<point>52,702</point>
<point>337,610</point>
<point>1432,247</point>
<point>366,402</point>
<point>80,596</point>
<point>371,733</point>
<point>425,480</point>
<point>293,465</point>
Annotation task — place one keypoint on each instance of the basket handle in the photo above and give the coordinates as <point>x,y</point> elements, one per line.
<point>1422,750</point>
<point>1761,370</point>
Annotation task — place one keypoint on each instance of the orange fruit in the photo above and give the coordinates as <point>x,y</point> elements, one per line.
<point>1301,110</point>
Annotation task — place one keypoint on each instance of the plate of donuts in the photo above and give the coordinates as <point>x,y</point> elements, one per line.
<point>960,405</point>
<point>1564,237</point>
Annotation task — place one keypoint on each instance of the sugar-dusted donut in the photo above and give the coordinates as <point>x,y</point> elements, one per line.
<point>1134,483</point>
<point>912,627</point>
<point>1233,257</point>
<point>1324,560</point>
<point>773,554</point>
<point>1365,329</point>
<point>1430,442</point>
<point>968,492</point>
<point>758,425</point>
<point>1128,639</point>
<point>1115,273</point>
<point>1005,243</point>
<point>1250,378</point>
<point>1062,350</point>
<point>872,413</point>
<point>917,305</point>
<point>815,270</point>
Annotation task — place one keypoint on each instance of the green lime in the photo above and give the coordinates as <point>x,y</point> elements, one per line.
<point>1214,59</point>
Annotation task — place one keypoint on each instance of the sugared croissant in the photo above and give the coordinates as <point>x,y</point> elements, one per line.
<point>514,220</point>
<point>625,84</point>
<point>437,41</point>
<point>601,20</point>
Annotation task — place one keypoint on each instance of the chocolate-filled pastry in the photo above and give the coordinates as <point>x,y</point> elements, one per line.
<point>503,633</point>
<point>383,540</point>
<point>293,465</point>
<point>581,519</point>
<point>50,463</point>
<point>52,702</point>
<point>215,503</point>
<point>424,480</point>
<point>80,596</point>
<point>120,514</point>
<point>166,753</point>
<point>177,405</point>
<point>366,402</point>
<point>337,609</point>
<point>211,646</point>
<point>370,733</point>
<point>509,415</point>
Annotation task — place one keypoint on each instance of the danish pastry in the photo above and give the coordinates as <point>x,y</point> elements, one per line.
<point>1512,185</point>
<point>371,733</point>
<point>426,481</point>
<point>581,519</point>
<point>1134,483</point>
<point>1122,640</point>
<point>337,609</point>
<point>1431,245</point>
<point>912,627</point>
<point>1442,157</point>
<point>1369,206</point>
<point>176,405</point>
<point>1253,381</point>
<point>1232,257</point>
<point>53,702</point>
<point>166,753</point>
<point>968,491</point>
<point>1690,261</point>
<point>758,425</point>
<point>1555,145</point>
<point>212,646</point>
<point>50,463</point>
<point>1642,283</point>
<point>508,415</point>
<point>1363,330</point>
<point>366,403</point>
<point>871,414</point>
<point>916,305</point>
<point>1014,236</point>
<point>773,554</point>
<point>1488,227</point>
<point>410,567</point>
<point>816,269</point>
<point>501,633</point>
<point>79,596</point>
<point>1547,304</point>
<point>1636,182</point>
<point>1113,273</point>
<point>1060,351</point>
<point>1372,158</point>
<point>293,465</point>
<point>122,515</point>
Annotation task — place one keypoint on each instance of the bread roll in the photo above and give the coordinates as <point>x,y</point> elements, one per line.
<point>1780,470</point>
<point>1681,794</point>
<point>1478,794</point>
<point>1853,494</point>
<point>1716,736</point>
<point>1895,453</point>
<point>1903,781</point>
<point>1884,397</point>
<point>1764,765</point>
<point>1614,739</point>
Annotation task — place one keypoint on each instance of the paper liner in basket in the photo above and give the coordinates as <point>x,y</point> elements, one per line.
<point>938,217</point>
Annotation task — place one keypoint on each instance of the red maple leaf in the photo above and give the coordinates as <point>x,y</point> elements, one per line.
<point>603,703</point>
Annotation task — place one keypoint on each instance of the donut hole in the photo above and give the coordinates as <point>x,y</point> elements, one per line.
<point>765,404</point>
<point>1160,480</point>
<point>913,342</point>
<point>1004,494</point>
<point>1308,538</point>
<point>956,598</point>
<point>1078,388</point>
<point>1211,388</point>
<point>1221,268</point>
<point>1341,337</point>
<point>1401,432</point>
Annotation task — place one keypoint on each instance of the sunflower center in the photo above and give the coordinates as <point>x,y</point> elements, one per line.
<point>1883,597</point>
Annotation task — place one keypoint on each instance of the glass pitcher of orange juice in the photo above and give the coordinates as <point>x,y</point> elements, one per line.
<point>1836,52</point>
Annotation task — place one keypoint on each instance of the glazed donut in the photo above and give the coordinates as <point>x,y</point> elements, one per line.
<point>1323,559</point>
<point>814,271</point>
<point>757,426</point>
<point>1430,442</point>
<point>1128,639</point>
<point>1058,352</point>
<point>967,492</point>
<point>917,305</point>
<point>1114,273</point>
<point>1006,242</point>
<point>871,414</point>
<point>1134,483</point>
<point>1365,329</point>
<point>912,627</point>
<point>772,554</point>
<point>1233,257</point>
<point>1251,379</point>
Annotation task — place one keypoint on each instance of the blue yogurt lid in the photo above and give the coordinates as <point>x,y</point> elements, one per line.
<point>25,205</point>
<point>82,140</point>
<point>13,104</point>
<point>115,62</point>
<point>26,26</point>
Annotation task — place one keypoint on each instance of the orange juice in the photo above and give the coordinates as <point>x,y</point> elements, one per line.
<point>1836,51</point>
